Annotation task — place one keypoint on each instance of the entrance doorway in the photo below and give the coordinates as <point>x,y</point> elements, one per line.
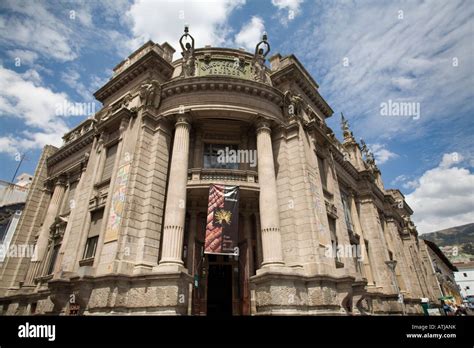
<point>221,284</point>
<point>219,291</point>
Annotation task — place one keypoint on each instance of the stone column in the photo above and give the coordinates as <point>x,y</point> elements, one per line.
<point>269,213</point>
<point>59,266</point>
<point>378,250</point>
<point>175,212</point>
<point>42,242</point>
<point>358,229</point>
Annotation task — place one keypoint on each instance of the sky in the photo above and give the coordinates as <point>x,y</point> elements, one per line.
<point>370,59</point>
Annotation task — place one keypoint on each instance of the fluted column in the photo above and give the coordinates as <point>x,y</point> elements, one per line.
<point>176,196</point>
<point>43,237</point>
<point>269,213</point>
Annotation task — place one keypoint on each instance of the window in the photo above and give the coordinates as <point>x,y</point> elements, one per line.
<point>213,160</point>
<point>52,260</point>
<point>322,172</point>
<point>109,161</point>
<point>357,257</point>
<point>3,229</point>
<point>347,211</point>
<point>91,247</point>
<point>68,203</point>
<point>332,230</point>
<point>93,236</point>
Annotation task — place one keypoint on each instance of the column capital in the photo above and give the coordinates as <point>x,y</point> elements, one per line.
<point>263,125</point>
<point>61,181</point>
<point>183,120</point>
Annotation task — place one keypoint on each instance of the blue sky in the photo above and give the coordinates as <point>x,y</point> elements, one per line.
<point>361,53</point>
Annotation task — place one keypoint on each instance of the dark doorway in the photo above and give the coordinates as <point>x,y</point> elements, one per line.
<point>219,290</point>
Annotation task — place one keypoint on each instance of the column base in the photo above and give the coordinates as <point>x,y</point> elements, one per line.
<point>143,268</point>
<point>274,267</point>
<point>170,267</point>
<point>286,291</point>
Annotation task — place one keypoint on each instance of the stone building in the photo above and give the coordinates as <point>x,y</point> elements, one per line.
<point>443,280</point>
<point>465,278</point>
<point>12,203</point>
<point>118,213</point>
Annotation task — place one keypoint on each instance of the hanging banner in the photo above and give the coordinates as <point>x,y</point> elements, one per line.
<point>222,228</point>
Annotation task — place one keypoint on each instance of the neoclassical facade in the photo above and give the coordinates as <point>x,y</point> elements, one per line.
<point>118,213</point>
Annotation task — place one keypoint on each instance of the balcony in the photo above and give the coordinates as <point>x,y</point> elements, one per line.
<point>202,177</point>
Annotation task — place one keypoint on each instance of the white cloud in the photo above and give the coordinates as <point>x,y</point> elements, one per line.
<point>450,158</point>
<point>28,141</point>
<point>34,27</point>
<point>410,59</point>
<point>399,179</point>
<point>23,96</point>
<point>405,181</point>
<point>410,185</point>
<point>23,56</point>
<point>444,197</point>
<point>290,7</point>
<point>250,34</point>
<point>287,4</point>
<point>61,32</point>
<point>162,21</point>
<point>381,154</point>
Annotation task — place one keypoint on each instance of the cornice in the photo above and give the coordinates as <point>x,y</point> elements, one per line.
<point>150,61</point>
<point>223,84</point>
<point>292,73</point>
<point>71,148</point>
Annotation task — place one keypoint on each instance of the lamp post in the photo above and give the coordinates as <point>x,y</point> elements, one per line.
<point>391,265</point>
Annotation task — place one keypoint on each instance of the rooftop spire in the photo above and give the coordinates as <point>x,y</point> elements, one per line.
<point>348,136</point>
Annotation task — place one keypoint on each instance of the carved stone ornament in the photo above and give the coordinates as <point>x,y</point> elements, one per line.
<point>150,94</point>
<point>347,133</point>
<point>293,104</point>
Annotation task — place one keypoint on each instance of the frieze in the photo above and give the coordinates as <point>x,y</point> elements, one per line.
<point>224,66</point>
